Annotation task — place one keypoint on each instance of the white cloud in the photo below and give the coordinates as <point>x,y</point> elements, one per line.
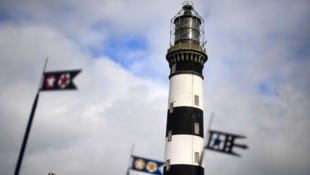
<point>90,131</point>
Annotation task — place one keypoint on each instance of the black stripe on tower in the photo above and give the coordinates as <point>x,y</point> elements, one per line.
<point>181,169</point>
<point>187,67</point>
<point>185,120</point>
<point>186,61</point>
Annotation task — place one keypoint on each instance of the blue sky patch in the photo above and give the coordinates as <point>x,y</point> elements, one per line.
<point>123,50</point>
<point>268,88</point>
<point>13,15</point>
<point>303,52</point>
<point>4,16</point>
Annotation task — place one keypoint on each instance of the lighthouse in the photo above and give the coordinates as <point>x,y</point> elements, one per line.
<point>186,57</point>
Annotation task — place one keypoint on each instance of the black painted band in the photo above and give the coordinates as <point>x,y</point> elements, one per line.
<point>181,120</point>
<point>183,170</point>
<point>188,66</point>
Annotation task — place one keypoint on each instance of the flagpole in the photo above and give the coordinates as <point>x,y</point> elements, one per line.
<point>203,149</point>
<point>28,128</point>
<point>42,77</point>
<point>131,153</point>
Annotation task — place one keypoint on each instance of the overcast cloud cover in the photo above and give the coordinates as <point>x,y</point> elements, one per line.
<point>257,83</point>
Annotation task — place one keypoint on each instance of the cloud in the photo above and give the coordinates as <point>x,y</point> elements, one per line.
<point>256,82</point>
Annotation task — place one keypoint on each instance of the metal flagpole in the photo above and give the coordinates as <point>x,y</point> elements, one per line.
<point>207,134</point>
<point>28,128</point>
<point>130,159</point>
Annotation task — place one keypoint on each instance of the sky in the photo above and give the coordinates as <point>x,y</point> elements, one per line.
<point>256,83</point>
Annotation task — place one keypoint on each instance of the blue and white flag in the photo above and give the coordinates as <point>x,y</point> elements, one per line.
<point>224,142</point>
<point>146,165</point>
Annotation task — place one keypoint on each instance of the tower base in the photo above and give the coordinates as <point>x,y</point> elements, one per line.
<point>184,170</point>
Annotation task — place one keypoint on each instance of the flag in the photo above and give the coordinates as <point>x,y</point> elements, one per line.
<point>59,80</point>
<point>224,142</point>
<point>146,165</point>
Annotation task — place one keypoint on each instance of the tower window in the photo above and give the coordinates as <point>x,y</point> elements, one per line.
<point>171,108</point>
<point>196,100</point>
<point>169,135</point>
<point>196,128</point>
<point>173,67</point>
<point>196,157</point>
<point>168,165</point>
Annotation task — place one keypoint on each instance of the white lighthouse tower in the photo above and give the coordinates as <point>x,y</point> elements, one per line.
<point>186,57</point>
